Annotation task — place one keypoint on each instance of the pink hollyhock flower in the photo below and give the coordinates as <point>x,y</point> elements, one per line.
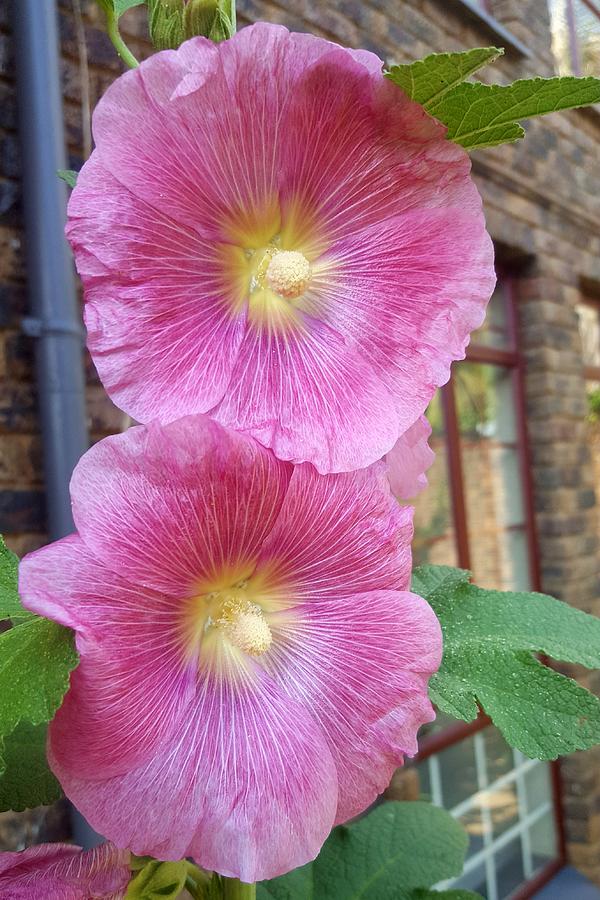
<point>409,459</point>
<point>65,872</point>
<point>271,232</point>
<point>252,668</point>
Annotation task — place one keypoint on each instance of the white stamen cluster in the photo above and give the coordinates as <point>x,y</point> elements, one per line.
<point>245,626</point>
<point>288,273</point>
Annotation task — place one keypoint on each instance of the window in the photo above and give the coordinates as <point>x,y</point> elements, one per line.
<point>477,514</point>
<point>576,36</point>
<point>588,313</point>
<point>479,517</point>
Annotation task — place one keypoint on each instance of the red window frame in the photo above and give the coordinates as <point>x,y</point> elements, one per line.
<point>510,358</point>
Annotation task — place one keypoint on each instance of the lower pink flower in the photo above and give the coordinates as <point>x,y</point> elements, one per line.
<point>64,872</point>
<point>252,668</point>
<point>409,459</point>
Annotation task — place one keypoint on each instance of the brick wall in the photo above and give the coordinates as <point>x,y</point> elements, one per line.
<point>542,200</point>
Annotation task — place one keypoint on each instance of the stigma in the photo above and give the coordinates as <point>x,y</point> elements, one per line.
<point>288,273</point>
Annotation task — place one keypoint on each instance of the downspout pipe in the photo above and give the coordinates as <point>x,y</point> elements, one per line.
<point>54,319</point>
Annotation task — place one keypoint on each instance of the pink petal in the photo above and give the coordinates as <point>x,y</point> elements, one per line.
<point>157,312</point>
<point>168,505</point>
<point>64,872</point>
<point>310,396</point>
<point>339,535</point>
<point>361,664</point>
<point>129,694</point>
<point>409,459</point>
<point>430,269</point>
<point>238,789</point>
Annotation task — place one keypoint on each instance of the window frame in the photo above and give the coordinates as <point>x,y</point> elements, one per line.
<point>509,358</point>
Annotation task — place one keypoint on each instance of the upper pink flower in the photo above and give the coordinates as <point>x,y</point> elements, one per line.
<point>270,232</point>
<point>64,872</point>
<point>252,666</point>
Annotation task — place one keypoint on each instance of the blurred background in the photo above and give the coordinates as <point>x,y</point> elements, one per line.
<point>516,432</point>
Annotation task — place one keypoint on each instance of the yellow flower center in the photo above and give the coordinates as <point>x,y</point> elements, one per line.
<point>288,273</point>
<point>244,625</point>
<point>272,264</point>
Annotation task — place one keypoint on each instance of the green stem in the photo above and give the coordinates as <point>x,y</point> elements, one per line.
<point>233,17</point>
<point>237,890</point>
<point>112,29</point>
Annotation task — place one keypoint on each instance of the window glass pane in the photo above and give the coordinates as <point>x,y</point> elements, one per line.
<point>434,540</point>
<point>589,329</point>
<point>472,822</point>
<point>502,806</point>
<point>508,861</point>
<point>538,786</point>
<point>495,331</point>
<point>424,781</point>
<point>494,502</point>
<point>575,44</point>
<point>542,836</point>
<point>473,880</point>
<point>458,773</point>
<point>498,755</point>
<point>587,25</point>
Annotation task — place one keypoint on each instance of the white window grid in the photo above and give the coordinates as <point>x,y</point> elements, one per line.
<point>527,818</point>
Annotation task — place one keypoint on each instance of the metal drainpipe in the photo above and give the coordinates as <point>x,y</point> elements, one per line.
<point>55,319</point>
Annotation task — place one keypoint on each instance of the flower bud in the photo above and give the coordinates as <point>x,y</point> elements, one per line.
<point>173,21</point>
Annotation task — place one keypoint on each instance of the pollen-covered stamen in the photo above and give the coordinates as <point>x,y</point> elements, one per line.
<point>288,273</point>
<point>245,626</point>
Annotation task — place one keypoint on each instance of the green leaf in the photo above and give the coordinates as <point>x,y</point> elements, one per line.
<point>121,6</point>
<point>25,779</point>
<point>118,7</point>
<point>69,176</point>
<point>10,605</point>
<point>36,658</point>
<point>386,855</point>
<point>483,115</point>
<point>489,641</point>
<point>158,881</point>
<point>428,80</point>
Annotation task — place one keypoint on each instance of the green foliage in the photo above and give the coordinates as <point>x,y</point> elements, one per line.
<point>165,23</point>
<point>428,80</point>
<point>173,21</point>
<point>36,658</point>
<point>25,779</point>
<point>121,6</point>
<point>158,881</point>
<point>10,605</point>
<point>489,641</point>
<point>594,405</point>
<point>118,7</point>
<point>69,176</point>
<point>390,854</point>
<point>482,115</point>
